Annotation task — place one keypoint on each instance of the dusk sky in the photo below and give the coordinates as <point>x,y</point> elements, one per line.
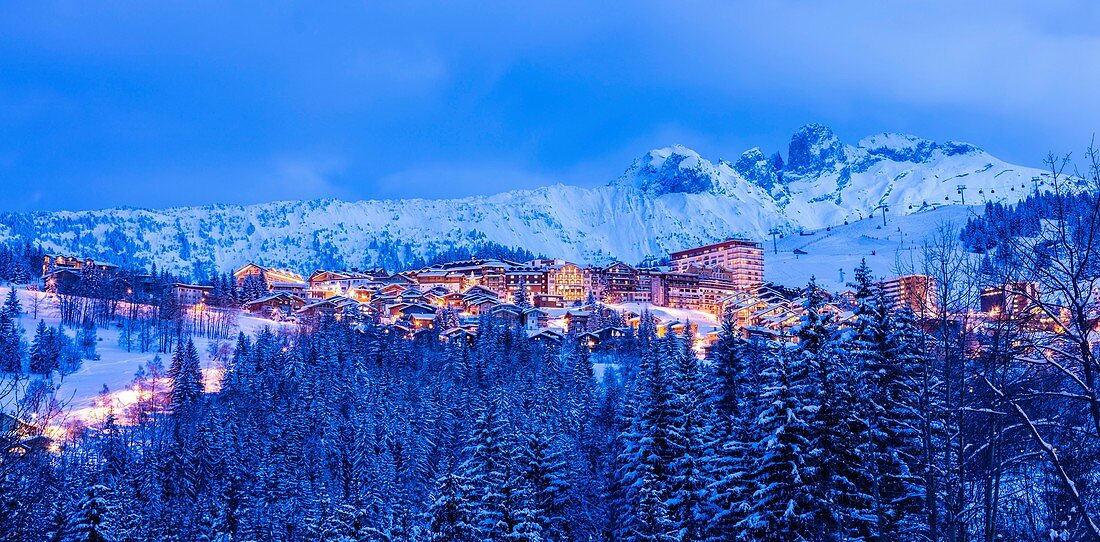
<point>157,104</point>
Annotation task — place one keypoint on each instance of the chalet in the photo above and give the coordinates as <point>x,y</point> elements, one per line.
<point>458,334</point>
<point>779,317</point>
<point>398,330</point>
<point>757,332</point>
<point>563,279</point>
<point>277,305</point>
<point>418,321</point>
<point>610,332</point>
<point>490,274</point>
<point>189,295</point>
<point>336,306</point>
<point>362,294</point>
<point>323,284</point>
<point>437,295</point>
<point>545,335</point>
<point>576,320</point>
<point>277,280</point>
<point>406,311</point>
<point>676,328</point>
<point>553,301</point>
<point>392,289</point>
<point>589,339</point>
<point>454,301</point>
<point>479,290</point>
<point>534,318</point>
<point>451,281</point>
<point>19,437</point>
<point>412,295</point>
<point>56,262</point>
<point>433,298</point>
<point>508,312</point>
<point>62,280</point>
<point>481,304</point>
<point>620,283</point>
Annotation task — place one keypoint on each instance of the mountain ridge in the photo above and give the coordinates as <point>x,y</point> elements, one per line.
<point>668,199</point>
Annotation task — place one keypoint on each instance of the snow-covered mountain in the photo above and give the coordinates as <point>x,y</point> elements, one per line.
<point>669,199</point>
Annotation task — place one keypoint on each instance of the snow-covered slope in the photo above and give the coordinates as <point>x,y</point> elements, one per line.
<point>669,199</point>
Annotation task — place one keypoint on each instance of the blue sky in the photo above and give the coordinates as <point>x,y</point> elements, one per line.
<point>158,104</point>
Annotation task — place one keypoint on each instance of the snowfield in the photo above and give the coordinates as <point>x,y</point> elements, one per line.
<point>831,255</point>
<point>114,371</point>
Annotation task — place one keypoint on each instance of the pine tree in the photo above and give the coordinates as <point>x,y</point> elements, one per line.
<point>487,465</point>
<point>887,403</point>
<point>731,402</point>
<point>522,298</point>
<point>451,514</point>
<point>781,507</point>
<point>90,521</point>
<point>689,506</point>
<point>186,375</point>
<point>45,354</point>
<point>835,467</point>
<point>12,305</point>
<point>649,447</point>
<point>12,349</point>
<point>547,475</point>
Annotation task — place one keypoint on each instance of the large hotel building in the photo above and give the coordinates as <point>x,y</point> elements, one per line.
<point>744,260</point>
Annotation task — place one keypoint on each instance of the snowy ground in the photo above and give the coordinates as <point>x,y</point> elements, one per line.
<point>832,255</point>
<point>116,367</point>
<point>705,320</point>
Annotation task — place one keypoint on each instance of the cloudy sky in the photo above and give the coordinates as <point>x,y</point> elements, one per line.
<point>181,103</point>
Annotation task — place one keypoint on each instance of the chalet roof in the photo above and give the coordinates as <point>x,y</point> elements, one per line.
<point>484,300</point>
<point>479,290</point>
<point>277,295</point>
<point>337,301</point>
<point>458,332</point>
<point>83,261</point>
<point>614,329</point>
<point>421,308</point>
<point>546,333</point>
<point>285,273</point>
<point>589,335</point>
<point>620,264</point>
<point>326,275</point>
<point>474,265</point>
<point>550,264</point>
<point>399,278</point>
<point>192,286</point>
<point>288,284</point>
<point>322,275</point>
<point>507,307</point>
